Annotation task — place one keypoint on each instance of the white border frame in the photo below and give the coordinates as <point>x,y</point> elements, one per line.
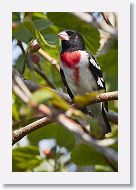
<point>123,174</point>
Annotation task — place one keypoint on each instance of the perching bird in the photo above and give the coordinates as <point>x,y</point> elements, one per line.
<point>81,73</point>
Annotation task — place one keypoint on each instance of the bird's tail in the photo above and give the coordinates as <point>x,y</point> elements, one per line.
<point>107,124</point>
<point>98,112</point>
<point>103,121</point>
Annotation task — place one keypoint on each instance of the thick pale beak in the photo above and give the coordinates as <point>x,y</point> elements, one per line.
<point>63,36</point>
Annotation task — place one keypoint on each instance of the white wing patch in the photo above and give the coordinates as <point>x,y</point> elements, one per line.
<point>94,63</point>
<point>100,81</point>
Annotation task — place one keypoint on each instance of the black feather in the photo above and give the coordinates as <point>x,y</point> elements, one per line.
<point>66,84</point>
<point>106,119</point>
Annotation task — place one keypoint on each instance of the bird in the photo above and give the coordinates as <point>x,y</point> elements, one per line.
<point>82,74</point>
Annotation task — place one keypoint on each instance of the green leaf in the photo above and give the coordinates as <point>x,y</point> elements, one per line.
<point>25,158</point>
<point>47,94</point>
<point>30,26</point>
<point>84,155</point>
<point>36,34</point>
<point>42,24</point>
<point>38,15</point>
<point>52,39</point>
<point>16,16</point>
<point>19,63</point>
<point>15,113</point>
<point>40,96</point>
<point>65,20</point>
<point>100,168</point>
<point>48,68</point>
<point>16,107</point>
<point>22,33</point>
<point>63,136</point>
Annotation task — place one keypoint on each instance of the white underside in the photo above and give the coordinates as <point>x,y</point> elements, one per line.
<point>86,83</point>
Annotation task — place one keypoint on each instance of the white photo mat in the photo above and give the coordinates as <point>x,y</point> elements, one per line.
<point>123,174</point>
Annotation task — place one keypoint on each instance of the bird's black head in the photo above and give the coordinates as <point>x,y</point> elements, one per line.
<point>71,41</point>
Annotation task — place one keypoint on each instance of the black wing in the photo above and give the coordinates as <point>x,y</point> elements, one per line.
<point>66,84</point>
<point>97,73</point>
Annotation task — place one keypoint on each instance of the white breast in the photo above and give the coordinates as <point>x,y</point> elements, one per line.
<point>86,82</point>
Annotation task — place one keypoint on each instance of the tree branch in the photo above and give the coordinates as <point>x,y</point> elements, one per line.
<point>17,135</point>
<point>103,97</point>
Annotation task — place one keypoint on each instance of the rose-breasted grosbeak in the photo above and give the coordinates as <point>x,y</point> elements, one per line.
<point>81,73</point>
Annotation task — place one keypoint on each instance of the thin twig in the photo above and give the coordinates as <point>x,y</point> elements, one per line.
<point>52,60</point>
<point>43,75</point>
<point>19,43</point>
<point>105,17</point>
<point>19,87</point>
<point>21,122</point>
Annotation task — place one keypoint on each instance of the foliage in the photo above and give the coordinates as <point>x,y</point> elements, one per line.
<point>25,158</point>
<point>85,155</point>
<point>44,27</point>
